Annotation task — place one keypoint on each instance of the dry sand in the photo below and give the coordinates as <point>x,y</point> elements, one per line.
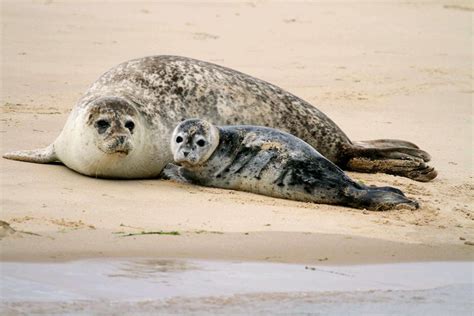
<point>379,70</point>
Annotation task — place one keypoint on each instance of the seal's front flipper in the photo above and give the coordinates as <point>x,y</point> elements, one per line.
<point>43,155</point>
<point>389,156</point>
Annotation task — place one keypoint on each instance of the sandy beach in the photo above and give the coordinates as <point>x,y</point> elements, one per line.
<point>400,69</point>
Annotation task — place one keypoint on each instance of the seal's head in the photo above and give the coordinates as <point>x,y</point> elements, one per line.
<point>113,122</point>
<point>193,142</point>
<point>109,136</point>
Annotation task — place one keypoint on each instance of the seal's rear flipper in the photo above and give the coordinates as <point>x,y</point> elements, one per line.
<point>395,157</point>
<point>418,171</point>
<point>385,143</point>
<point>43,155</point>
<point>413,169</point>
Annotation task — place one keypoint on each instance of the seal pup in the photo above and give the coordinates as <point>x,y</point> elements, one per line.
<point>271,162</point>
<point>160,91</point>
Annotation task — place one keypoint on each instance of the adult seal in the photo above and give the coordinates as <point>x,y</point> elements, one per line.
<point>270,162</point>
<point>120,128</point>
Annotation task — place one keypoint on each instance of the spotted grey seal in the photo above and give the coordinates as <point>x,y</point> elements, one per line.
<point>155,93</point>
<point>270,162</point>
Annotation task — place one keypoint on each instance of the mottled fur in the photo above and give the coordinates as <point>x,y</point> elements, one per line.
<point>164,90</point>
<point>270,162</point>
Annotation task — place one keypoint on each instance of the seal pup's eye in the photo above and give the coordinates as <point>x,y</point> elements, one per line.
<point>201,142</point>
<point>129,125</point>
<point>179,139</point>
<point>102,125</point>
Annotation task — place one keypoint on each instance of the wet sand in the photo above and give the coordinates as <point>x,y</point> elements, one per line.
<point>379,70</point>
<point>145,285</point>
<point>288,247</point>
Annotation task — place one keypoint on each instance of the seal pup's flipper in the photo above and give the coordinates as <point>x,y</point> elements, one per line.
<point>390,156</point>
<point>43,155</point>
<point>380,199</point>
<point>387,189</point>
<point>174,173</point>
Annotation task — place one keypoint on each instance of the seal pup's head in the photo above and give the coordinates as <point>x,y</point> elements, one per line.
<point>114,124</point>
<point>193,142</point>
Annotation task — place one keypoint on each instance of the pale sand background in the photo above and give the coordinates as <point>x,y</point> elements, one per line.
<point>378,69</point>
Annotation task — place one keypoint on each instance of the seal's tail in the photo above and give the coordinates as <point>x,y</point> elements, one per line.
<point>381,199</point>
<point>390,156</point>
<point>43,155</point>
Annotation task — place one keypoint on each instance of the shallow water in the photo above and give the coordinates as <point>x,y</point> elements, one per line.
<point>203,287</point>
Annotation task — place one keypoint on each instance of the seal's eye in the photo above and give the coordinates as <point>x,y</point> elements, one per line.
<point>179,139</point>
<point>102,125</point>
<point>129,125</point>
<point>201,142</point>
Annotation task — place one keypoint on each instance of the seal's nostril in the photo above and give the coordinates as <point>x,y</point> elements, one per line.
<point>185,153</point>
<point>121,139</point>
